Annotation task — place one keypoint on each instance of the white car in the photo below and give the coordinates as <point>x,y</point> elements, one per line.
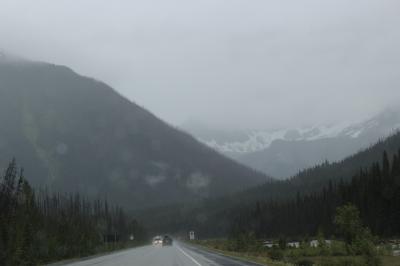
<point>157,241</point>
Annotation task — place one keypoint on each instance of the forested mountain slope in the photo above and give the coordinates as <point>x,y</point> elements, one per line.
<point>213,217</point>
<point>374,191</point>
<point>314,178</point>
<point>73,133</point>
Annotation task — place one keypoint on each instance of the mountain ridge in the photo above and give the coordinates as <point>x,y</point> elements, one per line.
<point>284,152</point>
<point>210,217</point>
<point>74,133</point>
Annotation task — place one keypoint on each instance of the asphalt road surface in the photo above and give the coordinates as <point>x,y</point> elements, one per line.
<point>177,255</point>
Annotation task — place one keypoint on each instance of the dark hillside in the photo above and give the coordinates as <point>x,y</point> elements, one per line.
<point>313,179</point>
<point>73,133</point>
<point>212,217</point>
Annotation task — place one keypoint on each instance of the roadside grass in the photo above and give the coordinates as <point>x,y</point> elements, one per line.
<point>390,261</point>
<point>290,257</point>
<point>258,258</point>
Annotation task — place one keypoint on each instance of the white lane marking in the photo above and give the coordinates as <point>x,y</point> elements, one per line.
<point>187,255</point>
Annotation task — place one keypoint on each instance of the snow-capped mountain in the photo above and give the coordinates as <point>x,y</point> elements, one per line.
<point>283,152</point>
<point>256,140</point>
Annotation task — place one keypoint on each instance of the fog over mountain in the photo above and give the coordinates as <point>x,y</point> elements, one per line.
<point>76,134</point>
<point>199,132</point>
<point>285,151</point>
<point>230,63</point>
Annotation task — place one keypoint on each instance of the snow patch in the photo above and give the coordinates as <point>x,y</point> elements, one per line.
<point>251,141</point>
<point>258,139</point>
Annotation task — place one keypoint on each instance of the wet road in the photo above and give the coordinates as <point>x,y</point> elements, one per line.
<point>177,255</point>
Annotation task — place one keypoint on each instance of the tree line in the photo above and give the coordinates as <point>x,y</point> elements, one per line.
<point>301,209</point>
<point>375,191</point>
<point>39,226</point>
<point>313,179</point>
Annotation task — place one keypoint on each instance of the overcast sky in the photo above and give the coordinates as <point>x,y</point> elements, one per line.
<point>231,63</point>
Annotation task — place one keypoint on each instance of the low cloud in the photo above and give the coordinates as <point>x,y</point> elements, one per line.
<point>153,180</point>
<point>197,181</point>
<point>231,63</point>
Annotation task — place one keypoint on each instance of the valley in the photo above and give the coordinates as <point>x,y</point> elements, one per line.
<point>199,133</point>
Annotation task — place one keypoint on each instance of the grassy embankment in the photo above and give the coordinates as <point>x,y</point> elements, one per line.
<point>333,255</point>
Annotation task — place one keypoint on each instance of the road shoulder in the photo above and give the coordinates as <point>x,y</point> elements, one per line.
<point>213,254</point>
<point>74,260</point>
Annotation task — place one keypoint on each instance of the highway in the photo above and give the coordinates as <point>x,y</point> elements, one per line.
<point>177,255</point>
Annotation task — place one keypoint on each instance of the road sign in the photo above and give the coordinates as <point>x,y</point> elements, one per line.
<point>191,235</point>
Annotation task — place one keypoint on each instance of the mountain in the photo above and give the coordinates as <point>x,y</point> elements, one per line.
<point>213,217</point>
<point>74,133</point>
<point>284,152</point>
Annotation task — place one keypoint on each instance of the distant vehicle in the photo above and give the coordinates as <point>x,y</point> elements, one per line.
<point>157,240</point>
<point>167,241</point>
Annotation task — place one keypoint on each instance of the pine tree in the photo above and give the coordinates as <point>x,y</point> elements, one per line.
<point>385,165</point>
<point>43,227</point>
